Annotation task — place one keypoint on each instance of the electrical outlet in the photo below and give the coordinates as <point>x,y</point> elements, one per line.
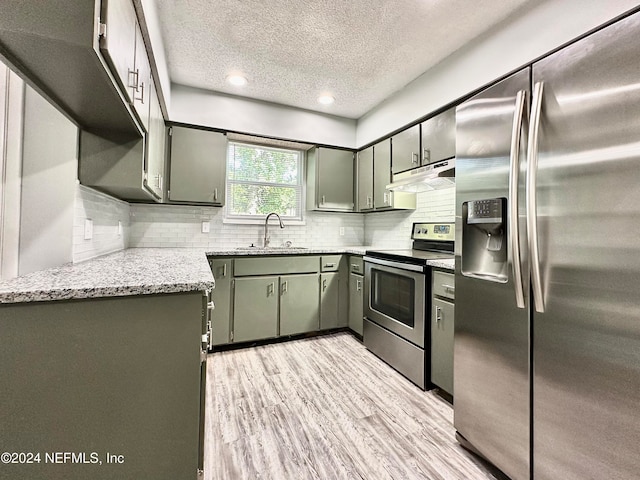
<point>342,231</point>
<point>88,229</point>
<point>206,227</point>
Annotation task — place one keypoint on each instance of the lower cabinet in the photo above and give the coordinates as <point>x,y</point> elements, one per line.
<point>255,308</point>
<point>442,329</point>
<point>356,302</point>
<point>258,298</point>
<point>329,300</point>
<point>299,304</point>
<point>222,269</point>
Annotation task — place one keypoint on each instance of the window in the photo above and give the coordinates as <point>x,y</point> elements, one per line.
<point>261,180</point>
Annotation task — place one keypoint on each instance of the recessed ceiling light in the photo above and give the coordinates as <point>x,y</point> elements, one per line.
<point>237,80</point>
<point>326,99</point>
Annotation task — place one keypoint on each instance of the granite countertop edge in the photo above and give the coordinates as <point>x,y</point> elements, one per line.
<point>144,271</point>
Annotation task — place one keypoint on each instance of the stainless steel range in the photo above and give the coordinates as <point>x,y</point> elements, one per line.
<point>397,296</point>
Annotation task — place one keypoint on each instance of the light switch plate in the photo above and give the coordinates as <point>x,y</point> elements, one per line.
<point>206,227</point>
<point>88,229</point>
<point>342,231</point>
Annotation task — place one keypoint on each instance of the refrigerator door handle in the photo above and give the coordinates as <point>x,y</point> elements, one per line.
<point>532,170</point>
<point>514,176</point>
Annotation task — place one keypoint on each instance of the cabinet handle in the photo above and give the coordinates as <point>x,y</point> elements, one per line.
<point>414,158</point>
<point>135,74</point>
<point>211,305</point>
<point>369,201</point>
<point>324,284</point>
<point>449,288</point>
<point>322,200</point>
<point>215,194</point>
<point>141,97</point>
<point>355,266</point>
<point>385,198</point>
<point>438,314</point>
<point>427,155</point>
<point>270,289</point>
<point>284,288</point>
<point>358,285</point>
<point>329,265</point>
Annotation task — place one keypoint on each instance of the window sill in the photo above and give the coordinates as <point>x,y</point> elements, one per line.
<point>255,221</point>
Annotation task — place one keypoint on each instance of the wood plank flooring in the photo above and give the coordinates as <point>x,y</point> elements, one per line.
<point>325,408</point>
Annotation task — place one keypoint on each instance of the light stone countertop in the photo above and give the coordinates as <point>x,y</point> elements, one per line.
<point>135,271</point>
<point>445,264</point>
<point>144,271</point>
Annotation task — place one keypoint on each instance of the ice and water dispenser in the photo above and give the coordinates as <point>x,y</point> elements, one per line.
<point>484,239</point>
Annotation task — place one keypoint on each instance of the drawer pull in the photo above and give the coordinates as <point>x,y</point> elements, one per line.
<point>329,265</point>
<point>449,288</point>
<point>438,314</point>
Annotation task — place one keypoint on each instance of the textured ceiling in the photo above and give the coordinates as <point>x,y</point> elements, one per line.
<point>359,51</point>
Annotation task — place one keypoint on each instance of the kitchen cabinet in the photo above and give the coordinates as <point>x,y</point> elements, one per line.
<point>56,46</point>
<point>119,374</point>
<point>197,166</point>
<point>439,137</point>
<point>334,294</point>
<point>405,150</point>
<point>123,47</point>
<point>275,296</point>
<point>255,308</point>
<point>330,179</point>
<point>222,269</point>
<point>365,179</point>
<point>442,330</point>
<point>299,311</point>
<point>356,294</point>
<point>156,140</point>
<point>384,199</point>
<point>382,174</point>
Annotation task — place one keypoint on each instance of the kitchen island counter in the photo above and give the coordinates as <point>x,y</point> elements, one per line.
<point>135,271</point>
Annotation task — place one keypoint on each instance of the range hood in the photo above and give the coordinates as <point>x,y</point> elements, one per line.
<point>429,177</point>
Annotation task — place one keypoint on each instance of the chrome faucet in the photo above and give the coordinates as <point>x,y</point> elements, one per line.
<point>266,227</point>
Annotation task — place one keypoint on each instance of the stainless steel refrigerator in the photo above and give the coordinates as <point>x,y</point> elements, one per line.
<point>547,338</point>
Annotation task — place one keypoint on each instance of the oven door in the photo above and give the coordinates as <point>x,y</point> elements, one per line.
<point>395,298</point>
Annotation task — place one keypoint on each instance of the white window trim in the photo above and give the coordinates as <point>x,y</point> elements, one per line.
<point>259,220</point>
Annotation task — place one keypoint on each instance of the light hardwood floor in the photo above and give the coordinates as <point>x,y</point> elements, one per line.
<point>325,408</point>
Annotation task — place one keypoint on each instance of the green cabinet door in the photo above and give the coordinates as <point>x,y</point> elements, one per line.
<point>255,308</point>
<point>365,179</point>
<point>221,296</point>
<point>330,300</point>
<point>356,299</point>
<point>442,326</point>
<point>381,174</point>
<point>405,150</point>
<point>299,305</point>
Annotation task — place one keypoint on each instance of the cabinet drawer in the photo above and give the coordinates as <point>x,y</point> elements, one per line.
<point>330,263</point>
<point>274,265</point>
<point>356,265</point>
<point>444,285</point>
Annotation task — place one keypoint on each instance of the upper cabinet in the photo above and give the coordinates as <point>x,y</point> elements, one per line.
<point>330,179</point>
<point>365,179</point>
<point>155,159</point>
<point>123,46</point>
<point>198,165</point>
<point>428,142</point>
<point>384,199</point>
<point>56,45</point>
<point>439,137</point>
<point>405,149</point>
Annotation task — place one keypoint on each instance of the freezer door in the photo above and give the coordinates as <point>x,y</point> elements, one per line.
<point>587,342</point>
<point>491,359</point>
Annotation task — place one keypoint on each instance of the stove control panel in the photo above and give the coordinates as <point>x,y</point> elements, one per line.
<point>434,231</point>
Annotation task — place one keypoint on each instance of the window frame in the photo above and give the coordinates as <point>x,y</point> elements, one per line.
<point>259,219</point>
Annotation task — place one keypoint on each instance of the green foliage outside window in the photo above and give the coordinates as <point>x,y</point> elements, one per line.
<point>261,180</point>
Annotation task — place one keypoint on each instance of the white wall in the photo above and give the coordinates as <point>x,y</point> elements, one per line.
<point>515,42</point>
<point>49,169</point>
<point>227,112</point>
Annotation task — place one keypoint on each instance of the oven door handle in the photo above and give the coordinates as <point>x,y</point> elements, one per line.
<point>399,265</point>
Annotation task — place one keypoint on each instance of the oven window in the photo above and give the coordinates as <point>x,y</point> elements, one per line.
<point>393,295</point>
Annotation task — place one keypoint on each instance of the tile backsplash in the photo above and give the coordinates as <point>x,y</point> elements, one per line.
<point>393,229</point>
<point>181,226</point>
<point>105,212</point>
